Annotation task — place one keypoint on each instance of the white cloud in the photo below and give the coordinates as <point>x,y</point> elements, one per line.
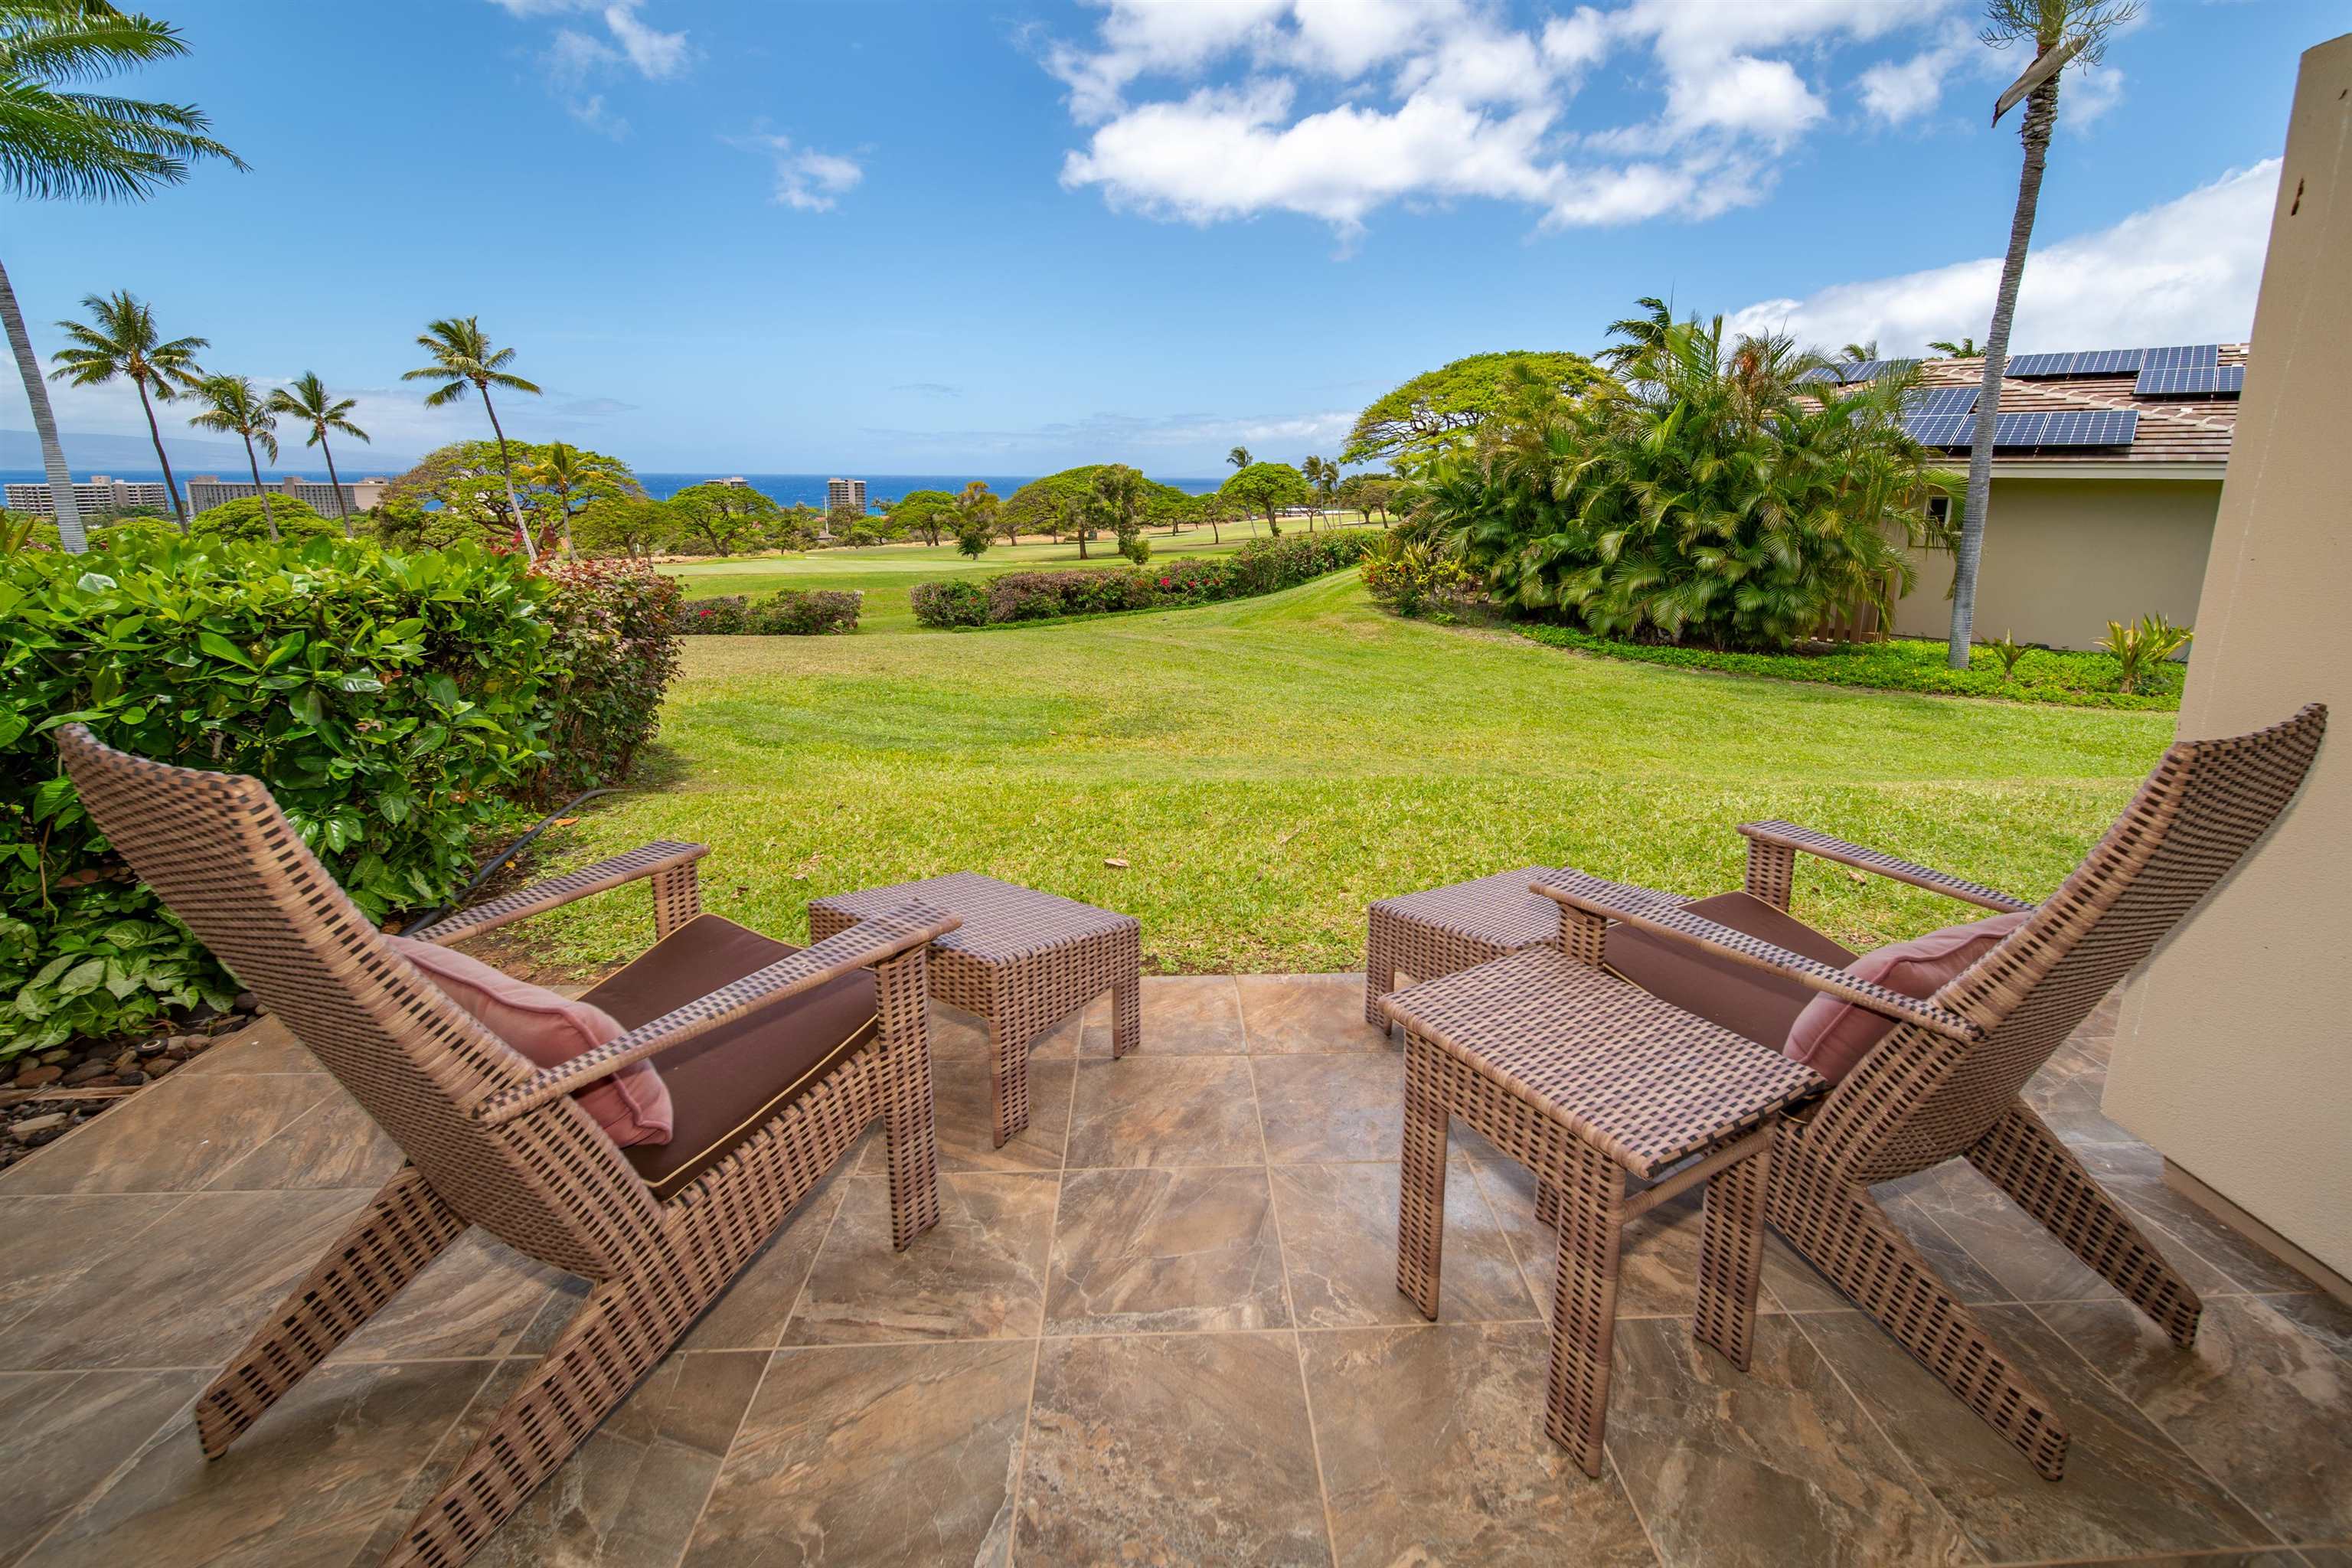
<point>806,179</point>
<point>574,59</point>
<point>1205,111</point>
<point>2186,271</point>
<point>657,55</point>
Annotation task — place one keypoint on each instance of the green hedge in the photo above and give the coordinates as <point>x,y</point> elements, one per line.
<point>1261,566</point>
<point>787,611</point>
<point>1903,664</point>
<point>397,705</point>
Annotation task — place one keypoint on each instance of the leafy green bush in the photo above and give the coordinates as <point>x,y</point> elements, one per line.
<point>1042,596</point>
<point>788,612</point>
<point>1267,565</point>
<point>956,603</point>
<point>1902,664</point>
<point>393,703</point>
<point>242,519</point>
<point>1416,578</point>
<point>2140,647</point>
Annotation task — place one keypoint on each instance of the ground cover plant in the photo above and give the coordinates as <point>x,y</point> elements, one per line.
<point>2068,678</point>
<point>1273,764</point>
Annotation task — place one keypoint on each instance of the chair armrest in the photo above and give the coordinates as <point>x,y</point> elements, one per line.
<point>1661,914</point>
<point>662,855</point>
<point>871,941</point>
<point>1789,836</point>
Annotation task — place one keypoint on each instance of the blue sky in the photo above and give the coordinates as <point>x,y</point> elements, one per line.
<point>1001,236</point>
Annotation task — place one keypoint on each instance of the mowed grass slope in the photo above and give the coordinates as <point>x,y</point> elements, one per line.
<point>1268,767</point>
<point>887,574</point>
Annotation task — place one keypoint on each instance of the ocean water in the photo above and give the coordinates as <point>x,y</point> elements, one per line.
<point>786,488</point>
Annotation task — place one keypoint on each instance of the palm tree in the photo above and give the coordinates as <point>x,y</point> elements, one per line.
<point>123,341</point>
<point>1324,475</point>
<point>2077,31</point>
<point>566,471</point>
<point>57,145</point>
<point>235,407</point>
<point>308,401</point>
<point>462,357</point>
<point>1641,332</point>
<point>1862,353</point>
<point>1240,459</point>
<point>1962,348</point>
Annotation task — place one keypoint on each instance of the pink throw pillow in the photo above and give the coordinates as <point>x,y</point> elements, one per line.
<point>1831,1033</point>
<point>632,1105</point>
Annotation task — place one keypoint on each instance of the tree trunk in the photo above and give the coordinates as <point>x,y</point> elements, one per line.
<point>2041,114</point>
<point>334,483</point>
<point>1273,524</point>
<point>70,537</point>
<point>178,509</point>
<point>255,464</point>
<point>506,472</point>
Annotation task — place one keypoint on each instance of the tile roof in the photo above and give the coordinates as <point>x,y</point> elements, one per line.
<point>2172,430</point>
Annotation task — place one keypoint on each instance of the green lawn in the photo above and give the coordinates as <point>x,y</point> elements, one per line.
<point>885,573</point>
<point>1267,767</point>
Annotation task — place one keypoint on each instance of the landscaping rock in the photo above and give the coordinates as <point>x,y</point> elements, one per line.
<point>131,1078</point>
<point>159,1066</point>
<point>39,1077</point>
<point>85,1072</point>
<point>247,1002</point>
<point>56,1058</point>
<point>32,1126</point>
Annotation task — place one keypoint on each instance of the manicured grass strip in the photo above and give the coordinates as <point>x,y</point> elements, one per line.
<point>1267,767</point>
<point>1905,664</point>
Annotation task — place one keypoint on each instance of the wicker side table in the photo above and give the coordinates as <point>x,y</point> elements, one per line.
<point>1023,960</point>
<point>1586,1078</point>
<point>1443,931</point>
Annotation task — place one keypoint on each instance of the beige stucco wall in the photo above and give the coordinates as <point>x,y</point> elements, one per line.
<point>2234,1052</point>
<point>2064,557</point>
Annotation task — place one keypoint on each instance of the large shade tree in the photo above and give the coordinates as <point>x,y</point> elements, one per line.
<point>309,402</point>
<point>463,359</point>
<point>1438,408</point>
<point>1267,488</point>
<point>723,519</point>
<point>2063,32</point>
<point>58,142</point>
<point>120,339</point>
<point>232,405</point>
<point>923,513</point>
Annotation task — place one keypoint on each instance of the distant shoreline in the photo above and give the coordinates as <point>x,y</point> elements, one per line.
<point>785,490</point>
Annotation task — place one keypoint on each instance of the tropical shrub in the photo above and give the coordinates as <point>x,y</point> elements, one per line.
<point>1413,577</point>
<point>397,705</point>
<point>788,612</point>
<point>2140,646</point>
<point>959,602</point>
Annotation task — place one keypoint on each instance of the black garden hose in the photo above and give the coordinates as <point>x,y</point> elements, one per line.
<point>443,911</point>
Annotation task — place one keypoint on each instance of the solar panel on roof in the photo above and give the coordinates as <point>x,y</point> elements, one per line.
<point>2107,361</point>
<point>1938,430</point>
<point>1930,401</point>
<point>2192,381</point>
<point>2188,357</point>
<point>2041,364</point>
<point>2101,427</point>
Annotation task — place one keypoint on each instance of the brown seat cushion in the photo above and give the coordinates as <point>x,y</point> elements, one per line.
<point>1755,1003</point>
<point>723,1086</point>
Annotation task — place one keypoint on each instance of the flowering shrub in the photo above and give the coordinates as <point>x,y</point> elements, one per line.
<point>788,612</point>
<point>1261,566</point>
<point>1414,579</point>
<point>395,704</point>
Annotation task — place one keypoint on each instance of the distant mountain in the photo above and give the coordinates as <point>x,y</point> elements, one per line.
<point>88,452</point>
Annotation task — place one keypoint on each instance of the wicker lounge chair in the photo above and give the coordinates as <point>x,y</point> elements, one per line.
<point>792,1055</point>
<point>1946,1082</point>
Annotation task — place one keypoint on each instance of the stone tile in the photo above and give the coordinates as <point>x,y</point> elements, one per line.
<point>62,1434</point>
<point>1815,1482</point>
<point>1319,1109</point>
<point>873,1454</point>
<point>954,1033</point>
<point>2012,1247</point>
<point>1289,1014</point>
<point>189,1291</point>
<point>2262,1406</point>
<point>2129,1489</point>
<point>1339,1239</point>
<point>1226,1475</point>
<point>2134,1173</point>
<point>1157,1251</point>
<point>2324,1318</point>
<point>2066,1092</point>
<point>175,1138</point>
<point>333,1144</point>
<point>267,1047</point>
<point>2318,1557</point>
<point>965,1107</point>
<point>1183,1016</point>
<point>307,1485</point>
<point>979,1273</point>
<point>1433,1452</point>
<point>475,1300</point>
<point>48,1243</point>
<point>1164,1110</point>
<point>753,1313</point>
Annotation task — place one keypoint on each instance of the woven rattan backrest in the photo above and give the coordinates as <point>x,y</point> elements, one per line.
<point>223,859</point>
<point>1921,1099</point>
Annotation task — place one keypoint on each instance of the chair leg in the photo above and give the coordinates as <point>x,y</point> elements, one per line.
<point>1008,1084</point>
<point>620,1333</point>
<point>1379,971</point>
<point>1421,1198</point>
<point>1584,1306</point>
<point>1732,1258</point>
<point>1125,1013</point>
<point>2026,1160</point>
<point>1842,1232</point>
<point>403,1229</point>
<point>910,1136</point>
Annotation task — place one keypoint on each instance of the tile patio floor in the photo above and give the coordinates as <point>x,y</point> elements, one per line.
<point>1156,1329</point>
